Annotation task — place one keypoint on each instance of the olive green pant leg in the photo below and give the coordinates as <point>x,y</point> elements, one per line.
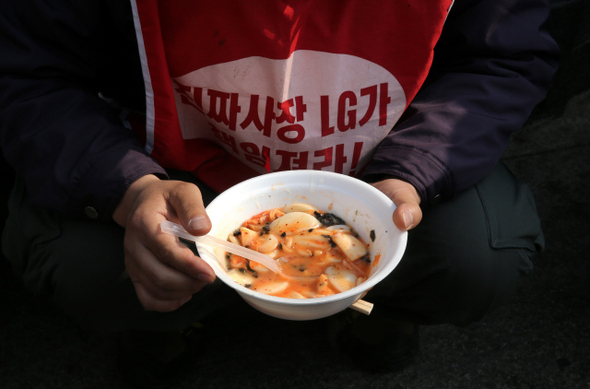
<point>467,256</point>
<point>79,264</point>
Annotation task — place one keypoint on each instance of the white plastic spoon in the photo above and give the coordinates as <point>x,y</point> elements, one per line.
<point>179,231</point>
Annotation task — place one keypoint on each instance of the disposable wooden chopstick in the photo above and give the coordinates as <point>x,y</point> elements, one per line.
<point>362,306</point>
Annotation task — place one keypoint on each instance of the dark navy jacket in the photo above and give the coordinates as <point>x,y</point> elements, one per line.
<point>64,63</point>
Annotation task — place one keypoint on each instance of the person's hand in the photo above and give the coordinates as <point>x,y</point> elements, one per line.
<point>408,213</point>
<point>164,272</point>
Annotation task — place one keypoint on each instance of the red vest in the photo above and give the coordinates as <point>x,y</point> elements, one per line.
<point>238,88</point>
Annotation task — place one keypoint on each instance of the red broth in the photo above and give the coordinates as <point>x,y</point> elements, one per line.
<point>319,254</point>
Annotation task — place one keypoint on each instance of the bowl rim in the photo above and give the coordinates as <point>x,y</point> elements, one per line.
<point>377,196</point>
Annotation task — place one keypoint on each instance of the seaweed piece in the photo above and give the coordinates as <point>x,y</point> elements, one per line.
<point>328,219</point>
<point>372,235</point>
<point>332,243</point>
<point>254,272</point>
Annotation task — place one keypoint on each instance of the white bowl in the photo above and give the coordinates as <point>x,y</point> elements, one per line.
<point>363,207</point>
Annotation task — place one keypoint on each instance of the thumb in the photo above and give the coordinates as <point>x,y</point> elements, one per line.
<point>187,201</point>
<point>408,213</point>
<point>407,216</point>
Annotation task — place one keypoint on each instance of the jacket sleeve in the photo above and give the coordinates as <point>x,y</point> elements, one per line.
<point>66,142</point>
<point>492,65</point>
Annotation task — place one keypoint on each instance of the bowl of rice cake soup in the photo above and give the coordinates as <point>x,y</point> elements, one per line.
<point>332,235</point>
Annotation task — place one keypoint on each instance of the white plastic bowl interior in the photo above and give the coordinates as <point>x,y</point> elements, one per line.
<point>363,207</point>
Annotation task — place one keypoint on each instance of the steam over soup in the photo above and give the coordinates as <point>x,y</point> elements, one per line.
<point>318,253</point>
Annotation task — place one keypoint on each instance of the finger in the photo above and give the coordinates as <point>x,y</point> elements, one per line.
<point>407,216</point>
<point>162,280</point>
<point>408,213</point>
<point>178,256</point>
<point>151,303</point>
<point>160,288</point>
<point>187,202</point>
<point>167,248</point>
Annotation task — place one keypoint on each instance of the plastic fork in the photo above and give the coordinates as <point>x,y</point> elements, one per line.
<point>179,231</point>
